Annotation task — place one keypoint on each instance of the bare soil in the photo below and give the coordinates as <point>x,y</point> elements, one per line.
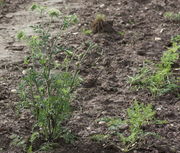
<point>105,91</point>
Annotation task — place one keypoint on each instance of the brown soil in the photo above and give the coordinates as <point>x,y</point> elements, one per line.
<point>105,91</point>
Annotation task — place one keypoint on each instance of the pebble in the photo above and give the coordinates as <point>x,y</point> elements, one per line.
<point>75,33</point>
<point>9,16</point>
<point>89,128</point>
<point>102,122</point>
<point>14,91</point>
<point>162,30</point>
<point>102,5</point>
<point>24,72</point>
<point>157,38</point>
<point>159,108</point>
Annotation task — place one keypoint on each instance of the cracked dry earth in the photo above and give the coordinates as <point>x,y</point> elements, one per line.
<point>105,91</point>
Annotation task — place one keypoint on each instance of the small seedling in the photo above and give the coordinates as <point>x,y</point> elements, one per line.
<point>87,32</point>
<point>159,78</point>
<point>54,13</point>
<point>17,141</point>
<point>69,20</point>
<point>137,116</point>
<point>172,16</point>
<point>100,137</point>
<point>98,23</point>
<point>176,39</point>
<point>2,3</point>
<point>48,146</point>
<point>21,35</point>
<point>38,8</point>
<point>121,33</point>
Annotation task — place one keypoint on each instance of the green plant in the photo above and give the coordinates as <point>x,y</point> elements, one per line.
<point>69,20</point>
<point>87,32</point>
<point>48,146</point>
<point>100,137</point>
<point>176,39</point>
<point>137,116</point>
<point>17,141</point>
<point>44,91</point>
<point>159,78</point>
<point>2,3</point>
<point>98,23</point>
<point>38,8</point>
<point>48,95</point>
<point>54,12</point>
<point>121,33</point>
<point>172,16</point>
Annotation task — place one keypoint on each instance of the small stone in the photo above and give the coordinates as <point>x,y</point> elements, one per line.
<point>93,132</point>
<point>23,117</point>
<point>24,72</point>
<point>9,16</point>
<point>89,128</point>
<point>102,5</point>
<point>104,112</point>
<point>159,108</point>
<point>161,30</point>
<point>102,122</point>
<point>75,33</point>
<point>14,91</point>
<point>78,117</point>
<point>157,38</point>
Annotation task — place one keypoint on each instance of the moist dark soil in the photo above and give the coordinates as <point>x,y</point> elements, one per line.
<point>140,32</point>
<point>10,6</point>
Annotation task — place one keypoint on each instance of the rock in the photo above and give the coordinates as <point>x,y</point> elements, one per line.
<point>102,122</point>
<point>102,5</point>
<point>88,128</point>
<point>159,108</point>
<point>14,91</point>
<point>162,30</point>
<point>124,126</point>
<point>9,16</point>
<point>75,33</point>
<point>157,38</point>
<point>24,72</point>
